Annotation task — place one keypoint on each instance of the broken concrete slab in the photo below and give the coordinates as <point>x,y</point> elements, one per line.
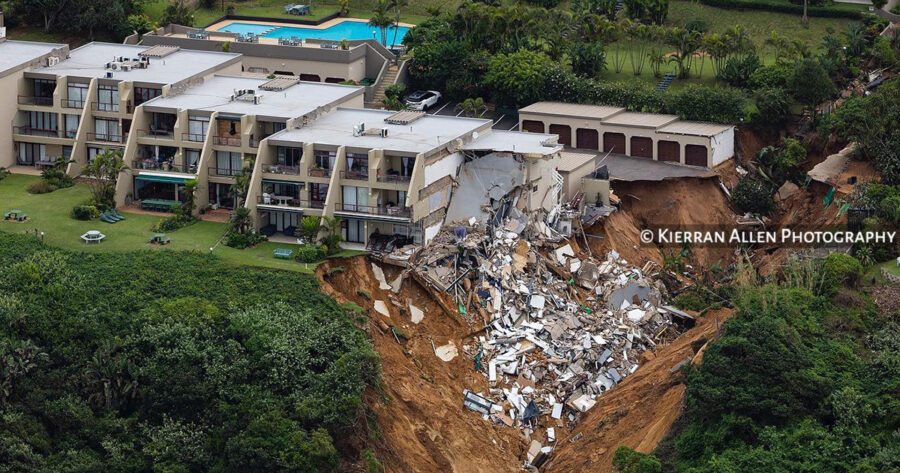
<point>447,352</point>
<point>415,314</point>
<point>382,308</point>
<point>379,275</point>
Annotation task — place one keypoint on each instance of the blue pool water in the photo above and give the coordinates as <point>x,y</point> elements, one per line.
<point>343,30</point>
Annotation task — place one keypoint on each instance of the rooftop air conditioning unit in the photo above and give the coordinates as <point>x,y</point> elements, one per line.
<point>384,132</point>
<point>113,66</point>
<point>359,129</point>
<point>109,75</point>
<point>126,67</point>
<point>52,61</point>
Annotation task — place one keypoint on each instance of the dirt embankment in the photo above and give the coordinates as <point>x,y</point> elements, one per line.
<point>424,427</point>
<point>638,412</point>
<point>678,203</point>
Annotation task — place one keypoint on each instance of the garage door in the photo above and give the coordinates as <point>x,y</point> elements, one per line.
<point>695,155</point>
<point>564,132</point>
<point>587,138</point>
<point>641,147</point>
<point>668,151</point>
<point>614,143</point>
<point>533,126</point>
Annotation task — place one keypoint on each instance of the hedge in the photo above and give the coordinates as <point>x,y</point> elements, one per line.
<point>837,11</point>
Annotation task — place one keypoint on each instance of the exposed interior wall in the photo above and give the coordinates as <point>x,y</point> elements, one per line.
<point>447,166</point>
<point>722,146</point>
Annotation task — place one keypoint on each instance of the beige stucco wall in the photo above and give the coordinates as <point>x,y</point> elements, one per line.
<point>355,70</point>
<point>9,88</point>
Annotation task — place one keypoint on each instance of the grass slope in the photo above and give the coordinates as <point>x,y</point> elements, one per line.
<point>49,213</point>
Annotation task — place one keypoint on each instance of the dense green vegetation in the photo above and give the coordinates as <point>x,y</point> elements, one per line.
<point>171,362</point>
<point>804,377</point>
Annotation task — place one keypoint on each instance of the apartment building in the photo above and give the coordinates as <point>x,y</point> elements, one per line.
<point>79,105</point>
<point>388,173</point>
<point>16,58</point>
<point>212,130</point>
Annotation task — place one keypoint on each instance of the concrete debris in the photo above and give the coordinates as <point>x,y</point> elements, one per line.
<point>382,309</point>
<point>415,314</point>
<point>379,275</point>
<point>447,352</point>
<point>786,190</point>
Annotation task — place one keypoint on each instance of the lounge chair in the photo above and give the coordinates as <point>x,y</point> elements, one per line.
<point>22,217</point>
<point>104,217</point>
<point>117,214</point>
<point>289,7</point>
<point>8,216</point>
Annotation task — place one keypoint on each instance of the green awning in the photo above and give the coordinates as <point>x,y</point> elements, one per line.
<point>169,179</point>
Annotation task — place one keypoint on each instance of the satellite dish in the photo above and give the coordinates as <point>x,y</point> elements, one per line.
<point>475,135</point>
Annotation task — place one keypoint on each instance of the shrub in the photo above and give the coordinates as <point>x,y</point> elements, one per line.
<point>697,24</point>
<point>777,75</point>
<point>753,195</point>
<point>588,59</point>
<point>627,460</point>
<point>85,212</point>
<point>40,187</point>
<point>243,240</point>
<point>395,91</point>
<point>737,70</point>
<point>311,253</point>
<point>785,7</point>
<point>178,220</point>
<point>840,269</point>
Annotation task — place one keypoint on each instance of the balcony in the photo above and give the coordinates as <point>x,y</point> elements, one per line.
<point>393,178</point>
<point>105,107</point>
<point>27,130</point>
<point>159,134</point>
<point>286,201</point>
<point>71,103</point>
<point>195,137</point>
<point>398,212</point>
<point>213,171</point>
<point>281,169</point>
<point>254,143</point>
<point>42,101</point>
<point>319,172</point>
<point>355,175</point>
<point>227,141</point>
<point>107,137</point>
<point>155,164</point>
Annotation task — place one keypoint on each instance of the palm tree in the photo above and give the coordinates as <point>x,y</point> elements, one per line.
<point>381,18</point>
<point>805,20</point>
<point>397,5</point>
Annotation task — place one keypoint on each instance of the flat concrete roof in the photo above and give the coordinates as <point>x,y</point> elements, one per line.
<point>627,168</point>
<point>682,127</point>
<point>572,160</point>
<point>15,54</point>
<point>425,134</point>
<point>294,101</point>
<point>649,120</point>
<point>515,142</point>
<point>575,110</point>
<point>90,60</point>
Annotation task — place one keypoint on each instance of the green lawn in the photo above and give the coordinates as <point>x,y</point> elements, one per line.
<point>890,266</point>
<point>49,213</point>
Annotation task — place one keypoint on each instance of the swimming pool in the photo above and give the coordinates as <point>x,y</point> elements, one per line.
<point>345,29</point>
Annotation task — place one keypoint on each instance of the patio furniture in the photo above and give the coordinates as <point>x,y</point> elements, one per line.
<point>289,7</point>
<point>108,217</point>
<point>11,215</point>
<point>283,253</point>
<point>161,239</point>
<point>297,10</point>
<point>93,236</point>
<point>22,218</point>
<point>117,214</point>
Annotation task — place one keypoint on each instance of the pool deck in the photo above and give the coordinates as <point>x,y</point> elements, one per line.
<point>328,24</point>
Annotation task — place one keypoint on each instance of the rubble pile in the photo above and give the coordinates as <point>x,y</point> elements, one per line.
<point>556,331</point>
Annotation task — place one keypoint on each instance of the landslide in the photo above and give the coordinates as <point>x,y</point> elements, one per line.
<point>676,203</point>
<point>639,412</point>
<point>423,425</point>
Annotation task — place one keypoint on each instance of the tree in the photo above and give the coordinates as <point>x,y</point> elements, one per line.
<point>588,59</point>
<point>686,44</point>
<point>753,195</point>
<point>810,85</point>
<point>188,197</point>
<point>627,460</point>
<point>177,13</point>
<point>241,221</point>
<point>396,5</point>
<point>309,228</point>
<point>518,78</point>
<point>381,18</point>
<point>103,172</point>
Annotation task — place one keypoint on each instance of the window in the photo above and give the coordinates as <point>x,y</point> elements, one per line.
<point>42,121</point>
<point>357,164</point>
<point>108,98</point>
<point>278,126</point>
<point>288,156</point>
<point>323,159</point>
<point>93,152</point>
<point>162,123</point>
<point>282,189</point>
<point>67,152</point>
<point>44,88</point>
<point>143,94</point>
<point>71,124</point>
<point>355,199</point>
<point>31,153</point>
<point>228,163</point>
<point>106,130</point>
<point>197,127</point>
<point>406,165</point>
<point>318,192</point>
<point>353,230</point>
<point>191,158</point>
<point>77,95</point>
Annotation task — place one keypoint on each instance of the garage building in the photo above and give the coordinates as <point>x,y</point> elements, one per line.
<point>640,135</point>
